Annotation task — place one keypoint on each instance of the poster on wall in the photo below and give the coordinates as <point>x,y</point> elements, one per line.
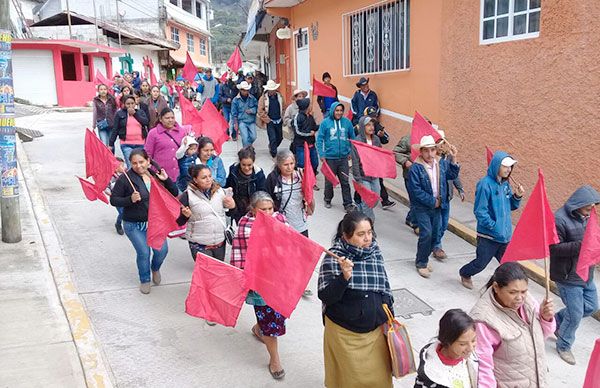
<point>9,180</point>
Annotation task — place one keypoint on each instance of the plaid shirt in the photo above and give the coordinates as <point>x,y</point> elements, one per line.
<point>239,247</point>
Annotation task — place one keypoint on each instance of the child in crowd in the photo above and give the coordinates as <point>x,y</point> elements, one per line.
<point>187,155</point>
<point>120,170</point>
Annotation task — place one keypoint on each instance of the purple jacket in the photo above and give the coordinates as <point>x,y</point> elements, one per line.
<point>162,148</point>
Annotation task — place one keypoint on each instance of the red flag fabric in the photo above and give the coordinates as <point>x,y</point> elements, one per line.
<point>592,376</point>
<point>189,114</point>
<point>100,163</point>
<point>279,268</point>
<point>213,125</point>
<point>489,154</point>
<point>349,115</point>
<point>101,79</point>
<point>90,191</point>
<point>589,254</point>
<point>376,161</point>
<point>309,179</point>
<point>163,211</point>
<point>235,60</point>
<point>320,89</point>
<point>189,69</point>
<point>329,175</point>
<point>217,291</point>
<point>536,229</point>
<point>368,196</point>
<point>224,78</point>
<point>420,128</point>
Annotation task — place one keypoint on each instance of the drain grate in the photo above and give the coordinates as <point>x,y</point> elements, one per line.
<point>406,304</point>
<point>27,135</point>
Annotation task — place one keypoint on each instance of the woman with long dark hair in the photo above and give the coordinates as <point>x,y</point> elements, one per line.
<point>105,108</point>
<point>131,126</point>
<point>245,178</point>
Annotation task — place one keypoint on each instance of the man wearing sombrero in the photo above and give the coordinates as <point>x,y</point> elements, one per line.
<point>270,113</point>
<point>243,114</point>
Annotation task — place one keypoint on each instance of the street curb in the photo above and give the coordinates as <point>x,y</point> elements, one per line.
<point>469,235</point>
<point>88,348</point>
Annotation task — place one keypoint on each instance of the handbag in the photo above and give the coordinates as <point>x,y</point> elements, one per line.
<point>230,230</point>
<point>398,341</point>
<point>102,124</point>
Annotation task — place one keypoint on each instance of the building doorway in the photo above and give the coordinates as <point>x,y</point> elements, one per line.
<point>303,80</point>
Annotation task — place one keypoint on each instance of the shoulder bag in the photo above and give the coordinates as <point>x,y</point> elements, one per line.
<point>398,340</point>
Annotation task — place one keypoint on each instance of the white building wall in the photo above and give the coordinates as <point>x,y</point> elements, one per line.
<point>138,54</point>
<point>33,76</point>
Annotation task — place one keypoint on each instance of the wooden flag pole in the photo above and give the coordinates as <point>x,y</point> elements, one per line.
<point>130,182</point>
<point>547,277</point>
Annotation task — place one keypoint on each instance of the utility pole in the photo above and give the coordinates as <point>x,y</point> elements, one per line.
<point>9,179</point>
<point>96,22</point>
<point>118,22</point>
<point>69,20</point>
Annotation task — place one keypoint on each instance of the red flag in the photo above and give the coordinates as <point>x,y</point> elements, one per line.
<point>279,268</point>
<point>189,69</point>
<point>349,115</point>
<point>100,163</point>
<point>217,291</point>
<point>101,79</point>
<point>90,191</point>
<point>592,376</point>
<point>536,229</point>
<point>309,179</point>
<point>320,89</point>
<point>235,60</point>
<point>376,161</point>
<point>163,212</point>
<point>329,175</point>
<point>589,254</point>
<point>224,78</point>
<point>213,125</point>
<point>368,196</point>
<point>189,114</point>
<point>489,154</point>
<point>420,128</point>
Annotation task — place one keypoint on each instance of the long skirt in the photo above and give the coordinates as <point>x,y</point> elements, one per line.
<point>355,360</point>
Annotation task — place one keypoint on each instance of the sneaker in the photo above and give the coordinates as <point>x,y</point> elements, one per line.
<point>307,293</point>
<point>316,188</point>
<point>327,205</point>
<point>388,204</point>
<point>119,228</point>
<point>424,272</point>
<point>156,278</point>
<point>466,282</point>
<point>439,254</point>
<point>567,356</point>
<point>145,288</point>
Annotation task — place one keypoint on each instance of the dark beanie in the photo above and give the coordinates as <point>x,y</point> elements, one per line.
<point>326,75</point>
<point>303,103</point>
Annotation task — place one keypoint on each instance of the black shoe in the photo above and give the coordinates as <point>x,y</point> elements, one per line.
<point>350,208</point>
<point>119,228</point>
<point>388,204</point>
<point>327,205</point>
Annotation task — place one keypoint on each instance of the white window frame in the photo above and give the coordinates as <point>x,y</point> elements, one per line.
<point>190,46</point>
<point>175,33</point>
<point>202,50</point>
<point>511,16</point>
<point>403,65</point>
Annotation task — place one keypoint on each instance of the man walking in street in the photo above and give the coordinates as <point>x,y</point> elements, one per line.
<point>292,110</point>
<point>208,87</point>
<point>270,113</point>
<point>333,146</point>
<point>227,93</point>
<point>243,114</point>
<point>363,98</point>
<point>494,201</point>
<point>326,102</point>
<point>427,189</point>
<point>580,297</point>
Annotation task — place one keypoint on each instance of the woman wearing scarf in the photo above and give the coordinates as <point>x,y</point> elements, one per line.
<point>353,290</point>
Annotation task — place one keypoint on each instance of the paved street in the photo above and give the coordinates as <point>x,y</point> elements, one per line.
<point>149,341</point>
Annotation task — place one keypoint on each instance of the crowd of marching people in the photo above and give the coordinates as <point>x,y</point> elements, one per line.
<point>500,342</point>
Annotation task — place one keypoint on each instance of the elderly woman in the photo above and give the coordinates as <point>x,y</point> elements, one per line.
<point>130,126</point>
<point>164,140</point>
<point>511,328</point>
<point>204,206</point>
<point>105,108</point>
<point>353,287</point>
<point>156,104</point>
<point>450,361</point>
<point>132,193</point>
<point>366,134</point>
<point>270,324</point>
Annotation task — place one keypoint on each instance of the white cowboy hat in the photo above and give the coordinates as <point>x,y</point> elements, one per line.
<point>271,85</point>
<point>244,85</point>
<point>427,141</point>
<point>298,91</point>
<point>233,77</point>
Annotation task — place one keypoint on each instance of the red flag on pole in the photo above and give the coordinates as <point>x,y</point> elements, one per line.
<point>349,115</point>
<point>163,211</point>
<point>189,114</point>
<point>235,60</point>
<point>309,179</point>
<point>420,128</point>
<point>589,254</point>
<point>189,69</point>
<point>376,161</point>
<point>224,78</point>
<point>329,175</point>
<point>100,163</point>
<point>101,79</point>
<point>213,125</point>
<point>217,291</point>
<point>279,268</point>
<point>592,376</point>
<point>90,191</point>
<point>320,89</point>
<point>368,196</point>
<point>489,154</point>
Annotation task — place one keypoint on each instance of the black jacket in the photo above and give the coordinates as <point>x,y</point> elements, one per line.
<point>121,195</point>
<point>303,124</point>
<point>227,90</point>
<point>120,124</point>
<point>243,187</point>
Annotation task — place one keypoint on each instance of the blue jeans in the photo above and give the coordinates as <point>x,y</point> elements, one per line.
<point>410,219</point>
<point>445,214</point>
<point>126,149</point>
<point>314,157</point>
<point>136,233</point>
<point>486,250</point>
<point>119,216</point>
<point>247,132</point>
<point>216,252</point>
<point>428,221</point>
<point>226,110</point>
<point>362,206</point>
<point>580,302</point>
<point>104,135</point>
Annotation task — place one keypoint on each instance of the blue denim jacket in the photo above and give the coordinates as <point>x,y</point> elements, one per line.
<point>239,107</point>
<point>419,184</point>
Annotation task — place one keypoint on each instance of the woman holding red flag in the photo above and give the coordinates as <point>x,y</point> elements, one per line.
<point>132,193</point>
<point>270,323</point>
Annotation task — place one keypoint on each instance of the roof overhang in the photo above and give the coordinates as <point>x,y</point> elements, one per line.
<point>281,3</point>
<point>180,58</point>
<point>86,47</point>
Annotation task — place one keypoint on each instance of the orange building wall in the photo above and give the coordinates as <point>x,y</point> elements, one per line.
<point>183,47</point>
<point>537,99</point>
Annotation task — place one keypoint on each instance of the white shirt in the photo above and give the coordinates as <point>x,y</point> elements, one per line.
<point>432,171</point>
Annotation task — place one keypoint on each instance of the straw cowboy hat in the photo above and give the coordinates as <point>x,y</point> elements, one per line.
<point>271,85</point>
<point>427,141</point>
<point>244,86</point>
<point>298,91</point>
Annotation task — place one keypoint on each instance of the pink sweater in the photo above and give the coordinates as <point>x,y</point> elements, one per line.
<point>488,341</point>
<point>162,148</point>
